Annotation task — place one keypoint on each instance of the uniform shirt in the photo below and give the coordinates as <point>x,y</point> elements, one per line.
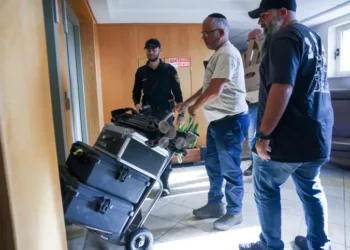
<point>295,55</point>
<point>226,63</point>
<point>160,87</point>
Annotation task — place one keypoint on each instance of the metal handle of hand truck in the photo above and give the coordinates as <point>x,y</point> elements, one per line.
<point>163,125</point>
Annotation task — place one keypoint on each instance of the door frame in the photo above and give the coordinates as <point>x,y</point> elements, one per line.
<point>68,14</point>
<point>52,22</point>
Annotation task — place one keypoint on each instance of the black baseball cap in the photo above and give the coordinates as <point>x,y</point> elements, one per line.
<point>265,5</point>
<point>152,43</point>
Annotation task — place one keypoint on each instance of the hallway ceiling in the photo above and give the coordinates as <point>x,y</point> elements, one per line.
<point>194,11</point>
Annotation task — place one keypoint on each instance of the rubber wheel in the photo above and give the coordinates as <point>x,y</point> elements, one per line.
<point>141,239</point>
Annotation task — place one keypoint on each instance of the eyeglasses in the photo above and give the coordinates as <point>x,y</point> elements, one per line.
<point>206,33</point>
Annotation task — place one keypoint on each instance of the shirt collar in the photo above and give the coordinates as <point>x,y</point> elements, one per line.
<point>160,66</point>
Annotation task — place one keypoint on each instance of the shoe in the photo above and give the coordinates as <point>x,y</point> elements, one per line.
<point>166,189</point>
<point>301,242</point>
<point>227,221</point>
<point>165,192</point>
<point>248,171</point>
<point>251,246</point>
<point>209,211</point>
<point>165,181</point>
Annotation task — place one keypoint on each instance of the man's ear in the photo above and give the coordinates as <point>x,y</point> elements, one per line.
<point>221,32</point>
<point>282,13</point>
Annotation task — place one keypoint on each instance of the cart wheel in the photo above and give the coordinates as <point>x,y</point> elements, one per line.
<point>141,239</point>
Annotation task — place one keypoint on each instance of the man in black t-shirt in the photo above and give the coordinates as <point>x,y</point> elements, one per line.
<point>294,127</point>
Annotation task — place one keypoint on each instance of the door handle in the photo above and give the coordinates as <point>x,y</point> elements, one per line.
<point>67,101</point>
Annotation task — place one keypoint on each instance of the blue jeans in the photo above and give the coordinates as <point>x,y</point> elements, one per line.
<point>225,139</point>
<point>253,116</point>
<point>268,177</point>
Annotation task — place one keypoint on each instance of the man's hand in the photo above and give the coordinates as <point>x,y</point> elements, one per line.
<point>262,148</point>
<point>180,121</point>
<point>192,111</point>
<point>180,107</point>
<point>138,107</point>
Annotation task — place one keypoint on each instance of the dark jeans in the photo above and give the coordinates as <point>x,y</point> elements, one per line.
<point>268,178</point>
<point>160,114</point>
<point>165,176</point>
<point>225,139</point>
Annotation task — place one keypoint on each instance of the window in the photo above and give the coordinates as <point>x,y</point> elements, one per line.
<point>343,44</point>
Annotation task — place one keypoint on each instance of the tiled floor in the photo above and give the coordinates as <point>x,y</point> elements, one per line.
<point>174,227</point>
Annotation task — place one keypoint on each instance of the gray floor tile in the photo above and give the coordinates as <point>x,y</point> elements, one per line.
<point>336,210</point>
<point>337,233</point>
<point>94,242</point>
<point>204,225</point>
<point>336,246</point>
<point>182,232</point>
<point>173,212</point>
<point>158,226</point>
<point>193,201</point>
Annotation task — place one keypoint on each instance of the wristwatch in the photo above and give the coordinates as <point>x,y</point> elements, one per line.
<point>262,137</point>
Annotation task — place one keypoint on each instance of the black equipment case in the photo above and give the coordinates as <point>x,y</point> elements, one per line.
<point>140,122</point>
<point>104,173</point>
<point>131,149</point>
<point>93,209</point>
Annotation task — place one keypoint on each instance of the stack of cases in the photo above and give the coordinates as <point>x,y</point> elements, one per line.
<point>104,185</point>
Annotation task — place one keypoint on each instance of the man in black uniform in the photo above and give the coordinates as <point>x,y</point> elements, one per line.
<point>294,126</point>
<point>160,85</point>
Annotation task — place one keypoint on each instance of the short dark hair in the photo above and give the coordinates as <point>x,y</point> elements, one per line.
<point>217,15</point>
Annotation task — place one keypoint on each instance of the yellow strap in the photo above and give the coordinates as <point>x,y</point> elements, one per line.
<point>76,152</point>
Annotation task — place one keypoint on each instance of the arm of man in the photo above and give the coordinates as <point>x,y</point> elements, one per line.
<point>284,64</point>
<point>225,68</point>
<point>276,105</point>
<point>137,90</point>
<point>190,101</point>
<point>210,94</point>
<point>181,107</point>
<point>177,92</point>
<point>175,86</point>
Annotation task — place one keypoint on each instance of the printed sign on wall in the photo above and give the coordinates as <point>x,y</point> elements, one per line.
<point>184,62</point>
<point>174,62</point>
<point>180,62</point>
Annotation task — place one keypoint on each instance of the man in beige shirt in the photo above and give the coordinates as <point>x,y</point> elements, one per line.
<point>222,98</point>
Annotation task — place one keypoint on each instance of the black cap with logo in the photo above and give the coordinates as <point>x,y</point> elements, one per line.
<point>152,43</point>
<point>265,5</point>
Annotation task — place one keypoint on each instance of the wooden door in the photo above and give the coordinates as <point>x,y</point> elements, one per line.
<point>185,75</point>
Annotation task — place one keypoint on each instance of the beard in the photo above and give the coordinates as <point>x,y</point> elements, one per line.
<point>154,58</point>
<point>274,26</point>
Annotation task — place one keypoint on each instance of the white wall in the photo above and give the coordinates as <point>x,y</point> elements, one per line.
<point>327,31</point>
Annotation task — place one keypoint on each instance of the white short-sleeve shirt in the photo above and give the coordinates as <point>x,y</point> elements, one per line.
<point>226,63</point>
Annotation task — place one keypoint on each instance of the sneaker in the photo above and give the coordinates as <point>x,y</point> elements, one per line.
<point>166,189</point>
<point>165,192</point>
<point>209,211</point>
<point>248,171</point>
<point>251,246</point>
<point>301,242</point>
<point>227,221</point>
